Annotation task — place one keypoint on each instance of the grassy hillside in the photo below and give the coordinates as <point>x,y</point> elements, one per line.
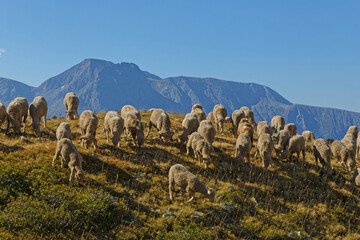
<point>126,196</point>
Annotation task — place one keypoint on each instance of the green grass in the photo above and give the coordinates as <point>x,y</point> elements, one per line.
<point>126,193</point>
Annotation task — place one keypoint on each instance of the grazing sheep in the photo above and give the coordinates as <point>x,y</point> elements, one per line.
<point>250,116</point>
<point>3,114</point>
<point>282,139</point>
<point>63,131</point>
<point>200,147</point>
<point>17,112</point>
<point>308,136</point>
<point>210,117</point>
<point>207,130</point>
<point>263,127</point>
<point>246,127</point>
<point>353,130</point>
<point>199,113</point>
<point>265,146</point>
<point>130,109</point>
<point>37,109</point>
<point>278,123</point>
<point>161,121</point>
<point>350,143</point>
<point>242,150</point>
<point>71,156</point>
<point>343,155</point>
<point>88,123</point>
<point>190,124</point>
<point>135,127</point>
<point>219,115</point>
<point>196,106</point>
<point>235,119</point>
<point>291,128</point>
<point>71,102</point>
<point>356,177</point>
<point>114,125</point>
<point>322,152</point>
<point>183,178</point>
<point>296,145</point>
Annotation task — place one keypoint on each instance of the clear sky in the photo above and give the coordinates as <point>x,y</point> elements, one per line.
<point>308,50</point>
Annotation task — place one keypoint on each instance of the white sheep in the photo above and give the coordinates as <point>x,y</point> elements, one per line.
<point>37,109</point>
<point>200,147</point>
<point>349,141</point>
<point>17,112</point>
<point>199,113</point>
<point>219,115</point>
<point>135,127</point>
<point>308,136</point>
<point>343,155</point>
<point>161,121</point>
<point>242,150</point>
<point>69,155</point>
<point>3,115</point>
<point>63,131</point>
<point>353,130</point>
<point>250,116</point>
<point>71,102</point>
<point>183,178</point>
<point>207,130</point>
<point>322,152</point>
<point>291,128</point>
<point>265,146</point>
<point>88,123</point>
<point>130,109</point>
<point>190,124</point>
<point>246,127</point>
<point>282,138</point>
<point>278,123</point>
<point>263,127</point>
<point>196,106</point>
<point>244,108</point>
<point>235,119</point>
<point>114,125</point>
<point>296,145</point>
<point>210,116</point>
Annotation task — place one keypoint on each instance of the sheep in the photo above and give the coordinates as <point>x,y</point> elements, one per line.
<point>199,113</point>
<point>250,116</point>
<point>278,123</point>
<point>246,127</point>
<point>88,123</point>
<point>283,139</point>
<point>17,112</point>
<point>71,102</point>
<point>263,127</point>
<point>161,121</point>
<point>353,130</point>
<point>130,109</point>
<point>308,136</point>
<point>114,125</point>
<point>340,152</point>
<point>349,141</point>
<point>265,146</point>
<point>356,177</point>
<point>207,130</point>
<point>219,115</point>
<point>196,106</point>
<point>37,109</point>
<point>63,131</point>
<point>322,152</point>
<point>243,108</point>
<point>242,150</point>
<point>296,145</point>
<point>3,114</point>
<point>71,156</point>
<point>135,127</point>
<point>200,147</point>
<point>291,128</point>
<point>210,116</point>
<point>183,178</point>
<point>190,124</point>
<point>236,116</point>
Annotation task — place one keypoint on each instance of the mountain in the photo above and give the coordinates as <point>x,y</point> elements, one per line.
<point>102,86</point>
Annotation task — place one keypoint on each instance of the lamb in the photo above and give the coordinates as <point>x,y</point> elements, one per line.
<point>353,130</point>
<point>71,156</point>
<point>340,152</point>
<point>283,139</point>
<point>190,124</point>
<point>236,116</point>
<point>246,127</point>
<point>322,152</point>
<point>210,117</point>
<point>207,130</point>
<point>349,141</point>
<point>3,114</point>
<point>183,178</point>
<point>199,113</point>
<point>17,112</point>
<point>263,127</point>
<point>308,136</point>
<point>37,109</point>
<point>291,128</point>
<point>114,125</point>
<point>161,121</point>
<point>63,131</point>
<point>134,126</point>
<point>200,147</point>
<point>219,115</point>
<point>265,146</point>
<point>196,106</point>
<point>278,123</point>
<point>296,145</point>
<point>242,150</point>
<point>88,123</point>
<point>71,102</point>
<point>356,177</point>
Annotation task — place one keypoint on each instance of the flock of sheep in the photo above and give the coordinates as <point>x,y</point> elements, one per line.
<point>198,134</point>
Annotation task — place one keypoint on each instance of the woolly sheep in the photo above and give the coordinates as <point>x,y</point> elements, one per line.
<point>3,114</point>
<point>246,127</point>
<point>210,117</point>
<point>183,178</point>
<point>278,123</point>
<point>263,127</point>
<point>265,146</point>
<point>282,139</point>
<point>219,115</point>
<point>250,116</point>
<point>243,108</point>
<point>71,102</point>
<point>190,124</point>
<point>353,130</point>
<point>236,117</point>
<point>196,106</point>
<point>242,150</point>
<point>343,155</point>
<point>322,152</point>
<point>88,123</point>
<point>291,128</point>
<point>37,109</point>
<point>296,145</point>
<point>207,130</point>
<point>130,109</point>
<point>17,112</point>
<point>199,113</point>
<point>308,136</point>
<point>161,121</point>
<point>349,141</point>
<point>114,125</point>
<point>135,127</point>
<point>200,147</point>
<point>71,156</point>
<point>356,177</point>
<point>63,131</point>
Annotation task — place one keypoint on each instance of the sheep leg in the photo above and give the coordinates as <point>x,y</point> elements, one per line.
<point>24,121</point>
<point>188,148</point>
<point>107,135</point>
<point>236,152</point>
<point>150,126</point>
<point>171,191</point>
<point>44,121</point>
<point>7,125</point>
<point>191,196</point>
<point>303,153</point>
<point>72,173</point>
<point>57,154</point>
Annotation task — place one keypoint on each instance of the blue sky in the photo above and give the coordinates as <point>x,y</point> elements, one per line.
<point>308,51</point>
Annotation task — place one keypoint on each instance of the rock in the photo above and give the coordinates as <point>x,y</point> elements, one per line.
<point>168,215</point>
<point>228,207</point>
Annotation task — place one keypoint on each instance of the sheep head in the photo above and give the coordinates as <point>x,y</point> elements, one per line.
<point>87,140</point>
<point>166,136</point>
<point>80,176</point>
